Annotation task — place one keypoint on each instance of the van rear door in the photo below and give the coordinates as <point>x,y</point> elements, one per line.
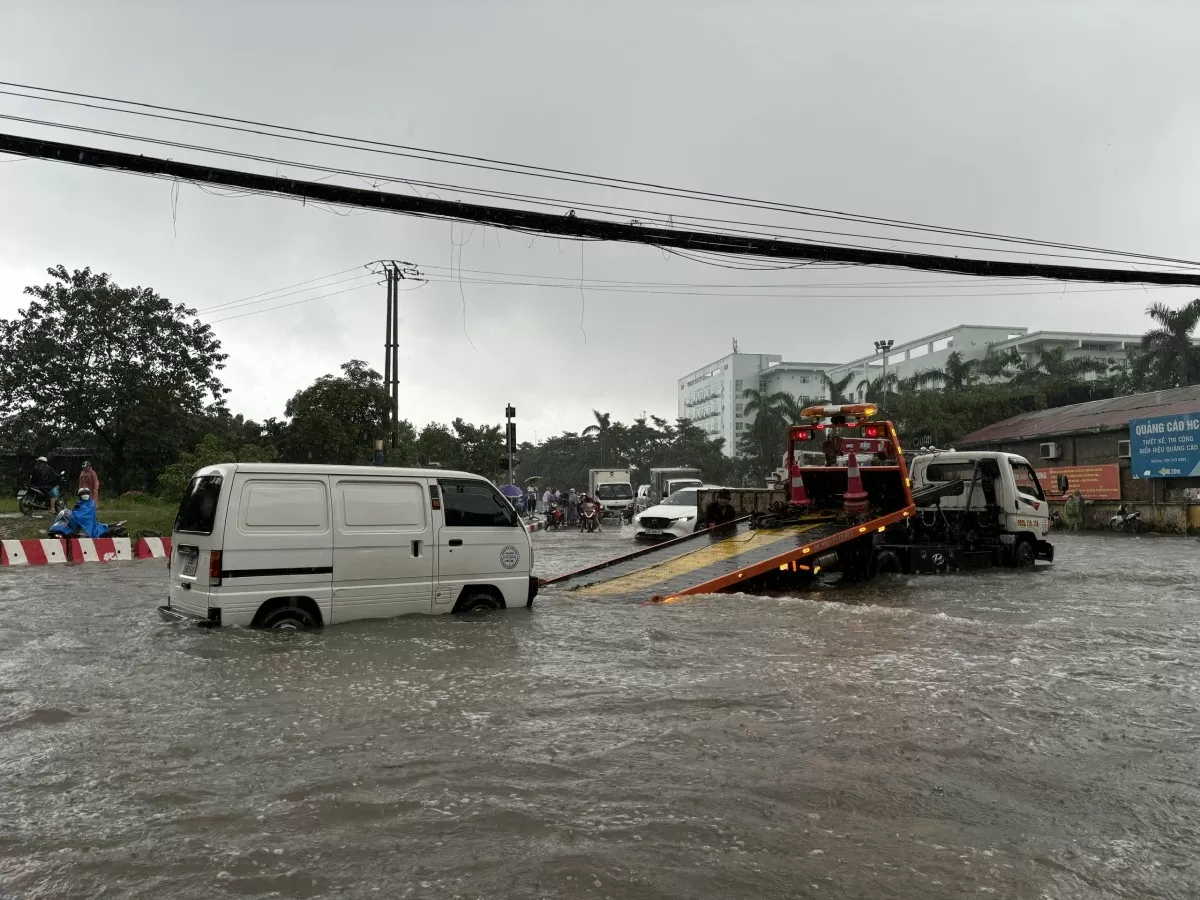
<point>197,534</point>
<point>383,552</point>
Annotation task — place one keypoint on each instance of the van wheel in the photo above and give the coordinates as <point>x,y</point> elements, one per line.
<point>477,604</point>
<point>1023,556</point>
<point>289,618</point>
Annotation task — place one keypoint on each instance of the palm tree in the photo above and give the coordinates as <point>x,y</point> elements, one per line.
<point>837,389</point>
<point>876,389</point>
<point>922,378</point>
<point>1169,358</point>
<point>1053,365</point>
<point>772,412</point>
<point>957,373</point>
<point>601,430</point>
<point>1000,365</point>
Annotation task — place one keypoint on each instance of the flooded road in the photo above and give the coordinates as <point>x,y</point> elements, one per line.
<point>1008,735</point>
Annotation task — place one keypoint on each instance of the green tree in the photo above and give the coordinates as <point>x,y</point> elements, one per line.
<point>773,412</point>
<point>1169,359</point>
<point>837,389</point>
<point>337,419</point>
<point>600,430</point>
<point>956,373</point>
<point>209,452</point>
<point>123,367</point>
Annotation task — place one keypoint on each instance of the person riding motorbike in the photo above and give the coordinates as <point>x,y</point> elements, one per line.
<point>44,478</point>
<point>589,514</point>
<point>79,519</point>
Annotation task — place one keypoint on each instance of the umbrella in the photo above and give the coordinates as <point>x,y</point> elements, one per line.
<point>512,491</point>
<point>532,478</point>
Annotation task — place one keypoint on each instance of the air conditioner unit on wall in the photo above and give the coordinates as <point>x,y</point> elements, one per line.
<point>1123,450</point>
<point>1051,450</point>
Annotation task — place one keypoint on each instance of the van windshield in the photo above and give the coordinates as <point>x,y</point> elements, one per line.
<point>198,508</point>
<point>614,492</point>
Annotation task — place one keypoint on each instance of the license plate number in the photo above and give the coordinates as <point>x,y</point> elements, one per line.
<point>654,531</point>
<point>190,558</point>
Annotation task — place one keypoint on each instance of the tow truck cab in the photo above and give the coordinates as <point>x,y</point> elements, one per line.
<point>988,502</point>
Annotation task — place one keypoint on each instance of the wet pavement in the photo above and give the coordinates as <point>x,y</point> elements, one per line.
<point>1003,734</point>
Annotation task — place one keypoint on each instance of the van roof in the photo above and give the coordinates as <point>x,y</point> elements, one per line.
<point>227,469</point>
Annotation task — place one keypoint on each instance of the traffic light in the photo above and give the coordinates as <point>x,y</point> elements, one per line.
<point>512,436</point>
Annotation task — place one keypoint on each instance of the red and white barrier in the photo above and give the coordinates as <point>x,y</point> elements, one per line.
<point>52,551</point>
<point>535,525</point>
<point>152,548</point>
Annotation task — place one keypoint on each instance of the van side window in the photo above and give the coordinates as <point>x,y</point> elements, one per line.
<point>475,504</point>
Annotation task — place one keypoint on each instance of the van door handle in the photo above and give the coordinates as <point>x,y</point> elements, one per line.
<point>455,542</point>
<point>416,545</point>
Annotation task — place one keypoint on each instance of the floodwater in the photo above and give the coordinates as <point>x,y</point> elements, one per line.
<point>1004,734</point>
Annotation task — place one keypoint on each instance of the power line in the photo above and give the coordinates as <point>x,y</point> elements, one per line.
<point>268,296</point>
<point>507,167</point>
<point>259,312</point>
<point>572,226</point>
<point>663,219</point>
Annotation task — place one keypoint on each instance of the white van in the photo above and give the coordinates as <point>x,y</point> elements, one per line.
<point>300,546</point>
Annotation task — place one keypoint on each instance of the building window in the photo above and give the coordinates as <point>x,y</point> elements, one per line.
<point>737,385</point>
<point>740,409</point>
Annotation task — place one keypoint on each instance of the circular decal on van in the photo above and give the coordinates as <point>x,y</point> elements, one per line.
<point>510,556</point>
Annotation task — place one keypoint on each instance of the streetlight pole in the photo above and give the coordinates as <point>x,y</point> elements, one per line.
<point>884,348</point>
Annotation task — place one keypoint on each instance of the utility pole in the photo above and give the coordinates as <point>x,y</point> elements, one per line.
<point>394,272</point>
<point>387,358</point>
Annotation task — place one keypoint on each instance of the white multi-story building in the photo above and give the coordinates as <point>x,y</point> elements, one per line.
<point>713,395</point>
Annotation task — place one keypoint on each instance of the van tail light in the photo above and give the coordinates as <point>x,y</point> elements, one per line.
<point>214,567</point>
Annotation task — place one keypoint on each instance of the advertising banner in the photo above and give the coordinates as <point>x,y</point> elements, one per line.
<point>1094,482</point>
<point>1165,446</point>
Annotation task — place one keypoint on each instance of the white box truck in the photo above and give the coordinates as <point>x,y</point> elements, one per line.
<point>613,489</point>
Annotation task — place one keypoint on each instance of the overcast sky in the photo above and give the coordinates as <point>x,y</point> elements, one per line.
<point>1075,122</point>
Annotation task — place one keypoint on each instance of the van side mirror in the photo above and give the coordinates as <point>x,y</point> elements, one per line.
<point>1063,484</point>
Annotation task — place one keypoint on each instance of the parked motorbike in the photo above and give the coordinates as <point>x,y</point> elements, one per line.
<point>1057,522</point>
<point>62,528</point>
<point>589,518</point>
<point>31,498</point>
<point>1125,521</point>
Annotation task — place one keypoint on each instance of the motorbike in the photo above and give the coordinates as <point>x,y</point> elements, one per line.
<point>554,518</point>
<point>62,528</point>
<point>1125,521</point>
<point>32,498</point>
<point>1057,522</point>
<point>589,518</point>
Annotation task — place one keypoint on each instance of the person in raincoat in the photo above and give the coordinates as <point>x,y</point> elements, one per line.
<point>90,480</point>
<point>572,509</point>
<point>80,519</point>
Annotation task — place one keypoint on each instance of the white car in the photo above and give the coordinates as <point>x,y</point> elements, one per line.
<point>675,517</point>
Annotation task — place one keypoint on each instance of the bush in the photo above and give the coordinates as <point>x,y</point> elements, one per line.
<point>136,497</point>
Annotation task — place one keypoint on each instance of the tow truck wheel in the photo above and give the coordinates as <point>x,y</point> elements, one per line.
<point>1023,555</point>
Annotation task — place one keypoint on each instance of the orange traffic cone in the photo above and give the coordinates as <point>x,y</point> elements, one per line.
<point>855,500</point>
<point>798,494</point>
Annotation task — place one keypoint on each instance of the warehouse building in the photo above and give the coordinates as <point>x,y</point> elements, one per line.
<point>1143,449</point>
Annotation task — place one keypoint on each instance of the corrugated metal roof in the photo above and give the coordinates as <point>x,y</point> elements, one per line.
<point>1095,415</point>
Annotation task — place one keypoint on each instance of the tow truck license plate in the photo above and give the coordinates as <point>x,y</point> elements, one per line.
<point>190,556</point>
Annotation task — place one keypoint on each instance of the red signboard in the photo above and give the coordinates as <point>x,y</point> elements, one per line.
<point>1094,482</point>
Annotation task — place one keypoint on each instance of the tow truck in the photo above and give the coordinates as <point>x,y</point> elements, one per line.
<point>858,520</point>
